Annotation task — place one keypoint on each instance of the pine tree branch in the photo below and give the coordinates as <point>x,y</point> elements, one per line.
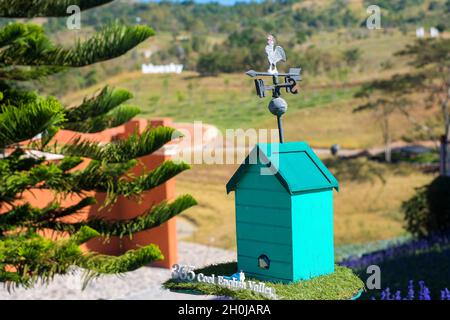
<point>154,217</point>
<point>105,179</point>
<point>135,146</point>
<point>27,45</point>
<point>43,8</point>
<point>15,96</point>
<point>26,216</point>
<point>104,102</point>
<point>68,163</point>
<point>155,178</point>
<point>131,260</point>
<point>97,176</point>
<point>38,259</point>
<point>109,43</point>
<point>83,235</point>
<point>26,120</point>
<point>15,31</point>
<point>96,265</point>
<point>15,162</point>
<point>28,73</point>
<point>10,279</point>
<point>115,118</point>
<point>18,174</point>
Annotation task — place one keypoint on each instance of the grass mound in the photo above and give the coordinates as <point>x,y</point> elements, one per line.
<point>343,284</point>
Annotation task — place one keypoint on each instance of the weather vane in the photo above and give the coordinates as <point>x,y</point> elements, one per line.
<point>277,106</point>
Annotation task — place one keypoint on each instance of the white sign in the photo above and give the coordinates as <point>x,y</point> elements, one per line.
<point>186,273</point>
<point>420,32</point>
<point>434,33</point>
<point>170,68</point>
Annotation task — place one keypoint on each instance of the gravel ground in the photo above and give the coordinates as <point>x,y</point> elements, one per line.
<point>142,284</point>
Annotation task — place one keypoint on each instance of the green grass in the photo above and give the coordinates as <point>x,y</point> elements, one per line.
<point>343,284</point>
<point>232,105</point>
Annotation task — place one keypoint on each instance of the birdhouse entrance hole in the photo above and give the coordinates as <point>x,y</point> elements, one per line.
<point>264,262</point>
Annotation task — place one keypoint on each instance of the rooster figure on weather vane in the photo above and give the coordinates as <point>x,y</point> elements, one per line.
<point>277,106</point>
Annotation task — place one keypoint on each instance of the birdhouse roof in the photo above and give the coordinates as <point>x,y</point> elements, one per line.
<point>294,164</point>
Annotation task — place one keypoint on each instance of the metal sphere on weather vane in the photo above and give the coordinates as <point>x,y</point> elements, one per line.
<point>278,106</point>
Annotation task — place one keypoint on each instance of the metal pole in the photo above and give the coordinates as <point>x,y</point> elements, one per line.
<point>280,129</point>
<point>276,90</point>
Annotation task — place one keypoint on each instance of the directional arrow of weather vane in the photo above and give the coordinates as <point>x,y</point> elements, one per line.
<point>277,106</point>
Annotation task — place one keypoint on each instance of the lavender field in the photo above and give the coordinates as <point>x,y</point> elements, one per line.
<point>411,269</point>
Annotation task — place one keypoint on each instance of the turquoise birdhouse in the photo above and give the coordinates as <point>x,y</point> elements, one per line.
<point>284,213</point>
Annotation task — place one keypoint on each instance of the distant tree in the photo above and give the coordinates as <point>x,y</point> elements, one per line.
<point>396,5</point>
<point>440,27</point>
<point>430,76</point>
<point>433,5</point>
<point>431,59</point>
<point>301,36</point>
<point>384,98</point>
<point>352,56</point>
<point>243,49</point>
<point>210,64</point>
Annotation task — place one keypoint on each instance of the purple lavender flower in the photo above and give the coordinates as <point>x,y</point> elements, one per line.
<point>386,294</point>
<point>410,290</point>
<point>424,293</point>
<point>395,251</point>
<point>445,294</point>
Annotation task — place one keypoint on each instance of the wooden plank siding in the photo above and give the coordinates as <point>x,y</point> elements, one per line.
<point>264,233</point>
<point>276,252</point>
<point>264,216</point>
<point>279,271</point>
<point>313,247</point>
<point>264,225</point>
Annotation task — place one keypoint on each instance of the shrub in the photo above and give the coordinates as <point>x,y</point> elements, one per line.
<point>352,56</point>
<point>438,198</point>
<point>209,64</point>
<point>428,211</point>
<point>416,213</point>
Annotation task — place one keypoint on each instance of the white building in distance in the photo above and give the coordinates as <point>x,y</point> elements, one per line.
<point>155,69</point>
<point>420,32</point>
<point>434,32</point>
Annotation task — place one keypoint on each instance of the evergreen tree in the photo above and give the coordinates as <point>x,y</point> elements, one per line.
<point>430,76</point>
<point>386,97</point>
<point>29,122</point>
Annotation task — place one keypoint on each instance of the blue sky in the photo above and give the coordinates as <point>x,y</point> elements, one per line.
<point>225,2</point>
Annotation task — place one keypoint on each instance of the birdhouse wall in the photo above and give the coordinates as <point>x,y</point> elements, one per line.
<point>313,243</point>
<point>264,225</point>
